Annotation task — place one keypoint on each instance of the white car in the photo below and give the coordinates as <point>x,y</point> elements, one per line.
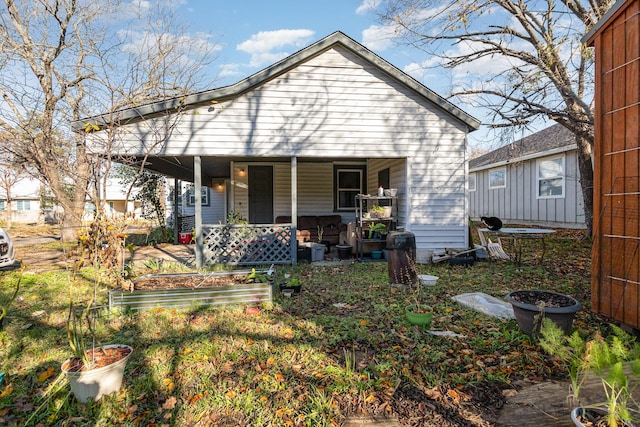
<point>6,250</point>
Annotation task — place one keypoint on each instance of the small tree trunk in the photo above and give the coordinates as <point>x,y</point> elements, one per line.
<point>585,166</point>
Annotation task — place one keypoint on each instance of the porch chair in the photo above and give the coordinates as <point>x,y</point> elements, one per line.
<point>494,250</point>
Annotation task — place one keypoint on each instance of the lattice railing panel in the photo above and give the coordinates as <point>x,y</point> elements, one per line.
<point>250,244</point>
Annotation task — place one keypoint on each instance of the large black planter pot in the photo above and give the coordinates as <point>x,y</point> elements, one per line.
<point>560,308</point>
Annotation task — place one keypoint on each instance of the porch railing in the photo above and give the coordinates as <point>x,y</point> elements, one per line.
<point>248,244</point>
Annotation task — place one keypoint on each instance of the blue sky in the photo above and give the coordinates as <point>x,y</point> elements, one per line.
<point>253,34</point>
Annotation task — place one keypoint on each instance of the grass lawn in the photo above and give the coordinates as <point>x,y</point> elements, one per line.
<point>340,347</point>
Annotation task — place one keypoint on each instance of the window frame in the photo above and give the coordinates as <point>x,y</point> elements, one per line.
<point>337,169</point>
<point>495,170</point>
<point>562,176</point>
<point>191,197</point>
<point>23,205</point>
<point>475,181</point>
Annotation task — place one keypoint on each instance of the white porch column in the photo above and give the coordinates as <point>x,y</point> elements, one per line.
<point>197,184</point>
<point>294,191</point>
<point>294,207</point>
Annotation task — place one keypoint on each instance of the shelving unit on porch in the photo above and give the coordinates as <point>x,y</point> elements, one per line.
<point>365,218</point>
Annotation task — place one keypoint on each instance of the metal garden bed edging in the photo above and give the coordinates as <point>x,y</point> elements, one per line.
<point>236,293</point>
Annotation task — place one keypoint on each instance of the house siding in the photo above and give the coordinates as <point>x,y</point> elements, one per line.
<point>336,106</point>
<point>518,202</point>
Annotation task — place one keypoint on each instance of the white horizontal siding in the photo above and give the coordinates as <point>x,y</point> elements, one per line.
<point>339,106</point>
<point>345,109</point>
<point>518,202</point>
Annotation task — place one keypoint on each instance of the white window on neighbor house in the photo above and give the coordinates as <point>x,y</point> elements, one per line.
<point>348,184</point>
<point>3,205</point>
<point>191,198</point>
<point>497,178</point>
<point>23,205</point>
<point>550,173</point>
<point>472,182</point>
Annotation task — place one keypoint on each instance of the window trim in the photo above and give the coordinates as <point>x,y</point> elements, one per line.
<point>475,181</point>
<point>22,204</point>
<point>191,197</point>
<point>563,176</point>
<point>337,168</point>
<point>496,187</point>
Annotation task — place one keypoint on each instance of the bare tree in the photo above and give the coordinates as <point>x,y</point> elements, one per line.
<point>62,60</point>
<point>523,60</point>
<point>11,173</point>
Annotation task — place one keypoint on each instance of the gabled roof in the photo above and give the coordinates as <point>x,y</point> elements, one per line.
<point>269,73</point>
<point>553,139</point>
<point>617,7</point>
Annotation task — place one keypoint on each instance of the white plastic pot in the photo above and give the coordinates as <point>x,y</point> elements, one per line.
<point>95,383</point>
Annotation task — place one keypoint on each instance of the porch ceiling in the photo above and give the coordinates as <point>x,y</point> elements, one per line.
<point>181,167</point>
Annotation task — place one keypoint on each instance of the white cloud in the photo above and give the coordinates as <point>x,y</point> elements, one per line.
<point>229,70</point>
<point>267,47</point>
<point>367,5</point>
<point>379,37</point>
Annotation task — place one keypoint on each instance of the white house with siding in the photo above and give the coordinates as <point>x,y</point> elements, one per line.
<point>25,202</point>
<point>532,181</point>
<point>305,135</point>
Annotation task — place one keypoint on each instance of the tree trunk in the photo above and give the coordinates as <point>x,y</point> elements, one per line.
<point>585,166</point>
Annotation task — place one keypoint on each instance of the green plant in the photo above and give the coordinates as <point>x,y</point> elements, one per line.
<point>236,217</point>
<point>606,358</point>
<point>378,227</point>
<point>5,307</point>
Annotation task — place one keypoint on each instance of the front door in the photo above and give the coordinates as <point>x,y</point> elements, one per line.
<point>261,194</point>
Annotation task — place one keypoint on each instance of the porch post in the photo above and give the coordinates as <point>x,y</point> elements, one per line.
<point>294,209</point>
<point>197,183</point>
<point>176,209</point>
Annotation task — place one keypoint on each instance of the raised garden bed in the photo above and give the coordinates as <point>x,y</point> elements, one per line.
<point>195,289</point>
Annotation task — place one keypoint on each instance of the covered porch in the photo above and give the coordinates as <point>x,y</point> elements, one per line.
<point>249,210</point>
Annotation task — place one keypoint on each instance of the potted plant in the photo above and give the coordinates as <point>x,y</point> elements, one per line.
<point>605,358</point>
<point>532,306</point>
<point>418,313</point>
<point>294,285</point>
<point>376,211</point>
<point>96,371</point>
<point>377,230</point>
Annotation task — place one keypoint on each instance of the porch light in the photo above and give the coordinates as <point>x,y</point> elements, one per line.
<point>242,172</point>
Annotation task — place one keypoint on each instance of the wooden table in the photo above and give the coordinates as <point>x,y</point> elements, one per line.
<point>518,235</point>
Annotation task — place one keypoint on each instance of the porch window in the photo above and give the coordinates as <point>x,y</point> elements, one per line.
<point>3,205</point>
<point>348,182</point>
<point>24,205</point>
<point>472,182</point>
<point>191,198</point>
<point>497,178</point>
<point>551,177</point>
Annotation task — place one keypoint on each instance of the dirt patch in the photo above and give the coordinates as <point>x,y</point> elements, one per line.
<point>175,281</point>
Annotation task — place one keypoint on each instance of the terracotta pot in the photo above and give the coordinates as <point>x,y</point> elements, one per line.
<point>92,384</point>
<point>560,308</point>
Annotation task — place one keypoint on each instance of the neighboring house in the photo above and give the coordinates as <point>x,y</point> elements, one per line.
<point>116,202</point>
<point>214,205</point>
<point>532,181</point>
<point>25,204</point>
<point>305,135</point>
<point>615,270</point>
